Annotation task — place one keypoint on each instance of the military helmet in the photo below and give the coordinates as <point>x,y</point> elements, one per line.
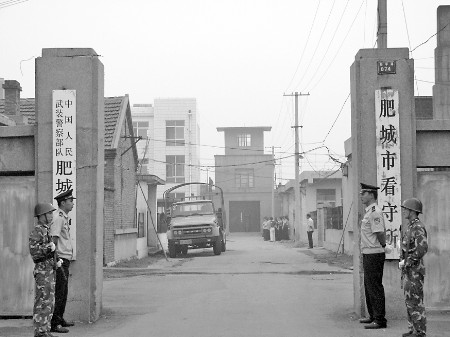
<point>43,208</point>
<point>413,204</point>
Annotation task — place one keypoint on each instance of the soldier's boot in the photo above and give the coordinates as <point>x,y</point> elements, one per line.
<point>408,334</point>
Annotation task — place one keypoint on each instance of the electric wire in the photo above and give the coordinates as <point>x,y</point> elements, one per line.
<point>329,44</point>
<point>306,44</point>
<point>10,3</point>
<point>317,46</point>
<point>409,44</point>
<point>337,52</point>
<point>332,126</point>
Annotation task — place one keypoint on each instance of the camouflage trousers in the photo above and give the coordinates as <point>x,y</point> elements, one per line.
<point>44,299</point>
<point>413,289</point>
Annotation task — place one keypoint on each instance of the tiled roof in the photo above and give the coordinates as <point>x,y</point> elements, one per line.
<point>112,111</point>
<point>26,108</point>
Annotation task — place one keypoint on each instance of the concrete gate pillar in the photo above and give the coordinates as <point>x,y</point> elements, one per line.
<point>441,90</point>
<point>80,70</point>
<point>365,80</point>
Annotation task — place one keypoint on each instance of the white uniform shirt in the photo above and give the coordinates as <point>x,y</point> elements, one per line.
<point>372,223</point>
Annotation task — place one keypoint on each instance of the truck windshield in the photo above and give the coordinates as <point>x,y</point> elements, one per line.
<point>192,209</point>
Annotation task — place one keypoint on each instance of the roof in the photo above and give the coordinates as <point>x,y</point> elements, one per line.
<point>226,128</point>
<point>150,179</point>
<point>113,108</point>
<point>27,107</point>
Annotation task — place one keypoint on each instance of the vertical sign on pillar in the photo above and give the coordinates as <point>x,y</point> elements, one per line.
<point>388,165</point>
<point>64,149</point>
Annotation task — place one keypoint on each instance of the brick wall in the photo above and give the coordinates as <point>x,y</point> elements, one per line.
<point>125,183</point>
<point>108,226</point>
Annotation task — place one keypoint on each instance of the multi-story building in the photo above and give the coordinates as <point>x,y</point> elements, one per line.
<point>170,141</point>
<point>245,174</point>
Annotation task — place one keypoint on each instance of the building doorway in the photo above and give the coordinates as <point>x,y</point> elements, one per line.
<point>244,216</point>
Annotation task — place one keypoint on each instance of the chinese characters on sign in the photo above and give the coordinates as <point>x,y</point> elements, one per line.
<point>64,149</point>
<point>386,67</point>
<point>388,165</point>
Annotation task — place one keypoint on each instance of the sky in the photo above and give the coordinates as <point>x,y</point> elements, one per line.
<point>238,58</point>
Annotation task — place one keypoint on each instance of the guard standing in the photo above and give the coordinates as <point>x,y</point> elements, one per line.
<point>60,231</point>
<point>373,245</point>
<point>414,247</point>
<point>42,251</point>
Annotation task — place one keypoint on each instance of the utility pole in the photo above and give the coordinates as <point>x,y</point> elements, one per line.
<point>274,183</point>
<point>297,219</point>
<point>382,24</point>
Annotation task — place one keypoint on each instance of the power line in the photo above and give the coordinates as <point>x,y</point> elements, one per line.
<point>317,46</point>
<point>329,44</point>
<point>304,49</point>
<point>409,43</point>
<point>337,52</point>
<point>431,37</point>
<point>10,3</point>
<point>336,118</point>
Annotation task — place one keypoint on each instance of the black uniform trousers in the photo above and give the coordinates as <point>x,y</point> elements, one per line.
<point>310,239</point>
<point>61,290</point>
<point>373,265</point>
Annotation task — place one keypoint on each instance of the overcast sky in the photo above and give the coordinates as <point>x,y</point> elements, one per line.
<point>236,57</point>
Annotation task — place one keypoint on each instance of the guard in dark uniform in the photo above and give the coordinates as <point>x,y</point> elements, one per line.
<point>42,251</point>
<point>60,231</point>
<point>373,244</point>
<point>414,247</point>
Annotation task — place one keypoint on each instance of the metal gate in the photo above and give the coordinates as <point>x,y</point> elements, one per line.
<point>17,199</point>
<point>434,191</point>
<point>244,216</point>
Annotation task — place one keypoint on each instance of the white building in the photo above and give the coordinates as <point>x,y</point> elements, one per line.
<point>170,145</point>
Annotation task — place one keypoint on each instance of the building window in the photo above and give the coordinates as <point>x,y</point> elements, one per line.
<point>140,129</point>
<point>175,169</point>
<point>244,178</point>
<point>244,140</point>
<point>175,133</point>
<point>326,197</point>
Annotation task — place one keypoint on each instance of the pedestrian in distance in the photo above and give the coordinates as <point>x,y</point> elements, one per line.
<point>414,247</point>
<point>60,231</point>
<point>373,248</point>
<point>42,251</point>
<point>285,228</point>
<point>266,229</point>
<point>278,229</point>
<point>309,229</point>
<point>272,229</point>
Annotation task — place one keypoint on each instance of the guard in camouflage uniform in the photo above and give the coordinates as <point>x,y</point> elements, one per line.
<point>42,251</point>
<point>414,247</point>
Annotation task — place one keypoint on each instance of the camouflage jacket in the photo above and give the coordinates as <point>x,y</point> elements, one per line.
<point>418,246</point>
<point>38,241</point>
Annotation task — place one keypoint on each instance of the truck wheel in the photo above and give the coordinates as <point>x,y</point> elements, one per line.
<point>218,247</point>
<point>184,250</point>
<point>172,251</point>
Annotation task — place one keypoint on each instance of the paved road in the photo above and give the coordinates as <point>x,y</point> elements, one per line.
<point>255,288</point>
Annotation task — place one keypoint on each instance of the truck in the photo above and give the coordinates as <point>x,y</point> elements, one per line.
<point>195,222</point>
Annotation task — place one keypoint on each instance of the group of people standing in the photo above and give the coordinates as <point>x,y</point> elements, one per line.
<point>275,229</point>
<point>51,250</point>
<point>374,247</point>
